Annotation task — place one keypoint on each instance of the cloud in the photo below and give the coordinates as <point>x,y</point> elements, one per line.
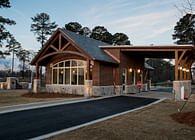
<point>159,31</point>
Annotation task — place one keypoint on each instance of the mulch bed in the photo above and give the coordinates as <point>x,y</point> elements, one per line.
<point>185,117</point>
<point>50,95</point>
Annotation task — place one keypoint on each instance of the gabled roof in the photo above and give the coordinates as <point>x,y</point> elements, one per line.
<point>87,45</point>
<point>91,46</point>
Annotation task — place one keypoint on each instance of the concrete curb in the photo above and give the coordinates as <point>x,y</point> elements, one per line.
<point>92,122</point>
<point>22,107</point>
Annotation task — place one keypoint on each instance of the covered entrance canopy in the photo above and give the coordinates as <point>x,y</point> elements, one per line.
<point>184,56</point>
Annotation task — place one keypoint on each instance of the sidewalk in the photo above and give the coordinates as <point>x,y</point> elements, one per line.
<point>155,94</point>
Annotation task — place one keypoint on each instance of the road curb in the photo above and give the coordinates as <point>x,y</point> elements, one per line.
<point>95,121</point>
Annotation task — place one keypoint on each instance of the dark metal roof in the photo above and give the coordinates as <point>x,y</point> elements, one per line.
<point>91,46</point>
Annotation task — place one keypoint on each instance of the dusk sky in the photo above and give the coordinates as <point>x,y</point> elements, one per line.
<point>144,21</point>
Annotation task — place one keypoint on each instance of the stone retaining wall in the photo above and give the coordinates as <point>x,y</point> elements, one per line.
<point>65,89</point>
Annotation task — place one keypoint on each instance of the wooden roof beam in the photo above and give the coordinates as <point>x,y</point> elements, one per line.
<point>181,56</point>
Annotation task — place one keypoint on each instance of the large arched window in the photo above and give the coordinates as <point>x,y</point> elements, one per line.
<point>69,72</point>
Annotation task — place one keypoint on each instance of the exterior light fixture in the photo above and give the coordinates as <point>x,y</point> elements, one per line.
<point>61,71</point>
<point>180,68</point>
<point>130,70</point>
<point>138,71</point>
<point>187,70</point>
<point>73,71</point>
<point>184,69</point>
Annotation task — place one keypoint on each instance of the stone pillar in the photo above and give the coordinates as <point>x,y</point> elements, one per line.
<point>149,84</point>
<point>11,82</point>
<point>36,85</point>
<point>88,88</point>
<point>178,86</point>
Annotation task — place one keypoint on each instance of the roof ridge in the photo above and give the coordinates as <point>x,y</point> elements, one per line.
<point>85,36</point>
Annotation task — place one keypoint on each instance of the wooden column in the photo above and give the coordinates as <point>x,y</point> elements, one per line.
<point>176,65</point>
<point>185,72</point>
<point>60,42</point>
<point>37,71</point>
<point>88,70</point>
<point>188,75</point>
<point>181,74</point>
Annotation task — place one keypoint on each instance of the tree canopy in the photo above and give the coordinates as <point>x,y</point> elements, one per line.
<point>42,27</point>
<point>74,27</point>
<point>120,39</point>
<point>99,33</point>
<point>184,31</point>
<point>163,70</point>
<point>13,47</point>
<point>4,33</point>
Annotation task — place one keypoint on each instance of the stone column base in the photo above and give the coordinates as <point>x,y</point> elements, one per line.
<point>180,88</point>
<point>88,88</point>
<point>36,86</point>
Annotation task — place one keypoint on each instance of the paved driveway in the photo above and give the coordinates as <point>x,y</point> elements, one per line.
<point>35,122</point>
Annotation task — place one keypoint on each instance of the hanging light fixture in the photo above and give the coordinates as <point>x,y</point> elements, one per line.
<point>130,70</point>
<point>138,71</point>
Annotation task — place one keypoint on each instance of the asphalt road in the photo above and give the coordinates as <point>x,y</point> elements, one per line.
<point>36,122</point>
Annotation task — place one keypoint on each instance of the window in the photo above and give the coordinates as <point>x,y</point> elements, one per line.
<point>69,72</point>
<point>133,74</point>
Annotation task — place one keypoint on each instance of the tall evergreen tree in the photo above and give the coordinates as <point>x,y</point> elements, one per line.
<point>74,27</point>
<point>24,57</point>
<point>184,31</point>
<point>42,27</point>
<point>4,33</point>
<point>102,34</point>
<point>85,31</point>
<point>13,47</point>
<point>120,39</point>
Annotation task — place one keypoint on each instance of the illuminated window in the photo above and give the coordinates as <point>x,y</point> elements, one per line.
<point>69,72</point>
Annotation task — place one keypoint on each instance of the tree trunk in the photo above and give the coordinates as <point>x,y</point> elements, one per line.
<point>23,70</point>
<point>12,63</point>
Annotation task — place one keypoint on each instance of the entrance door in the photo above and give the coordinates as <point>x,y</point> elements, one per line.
<point>124,78</point>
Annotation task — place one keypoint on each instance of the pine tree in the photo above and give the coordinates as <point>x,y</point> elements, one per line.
<point>42,27</point>
<point>4,34</point>
<point>184,31</point>
<point>13,47</point>
<point>23,56</point>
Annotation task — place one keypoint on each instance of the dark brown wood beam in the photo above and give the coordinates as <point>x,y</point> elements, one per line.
<point>181,56</point>
<point>65,46</point>
<point>53,47</point>
<point>176,65</point>
<point>37,71</point>
<point>60,41</point>
<point>153,50</point>
<point>88,69</point>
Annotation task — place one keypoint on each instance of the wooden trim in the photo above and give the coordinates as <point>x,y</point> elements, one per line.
<point>88,69</point>
<point>153,50</point>
<point>62,52</point>
<point>176,65</point>
<point>184,75</point>
<point>181,75</point>
<point>65,46</point>
<point>60,41</point>
<point>110,54</point>
<point>53,47</point>
<point>37,71</point>
<point>75,45</point>
<point>181,57</point>
<point>48,47</point>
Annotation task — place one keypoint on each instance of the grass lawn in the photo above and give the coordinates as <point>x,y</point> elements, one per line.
<point>7,99</point>
<point>151,123</point>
